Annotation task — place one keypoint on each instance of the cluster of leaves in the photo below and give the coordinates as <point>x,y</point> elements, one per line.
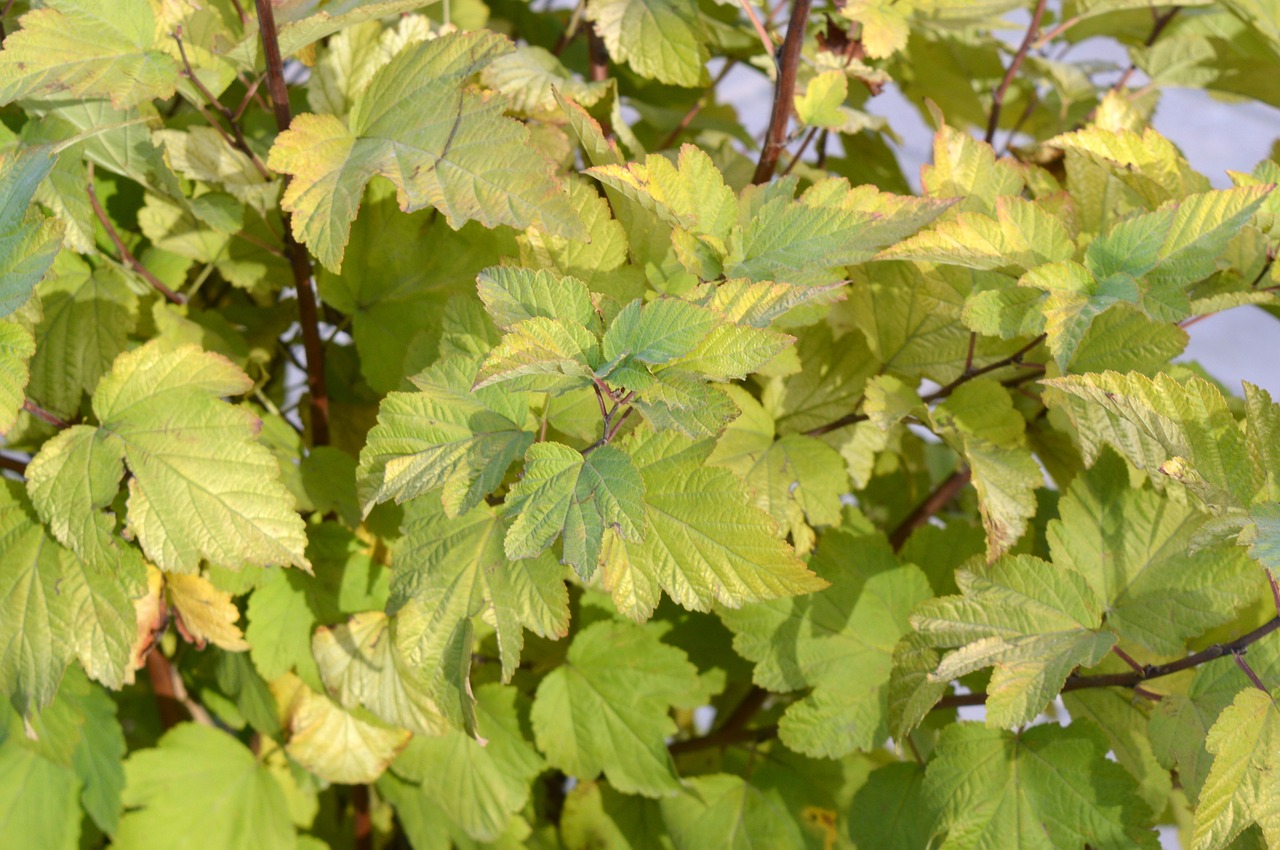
<point>464,439</point>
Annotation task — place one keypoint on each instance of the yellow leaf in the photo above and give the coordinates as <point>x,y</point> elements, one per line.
<point>331,742</point>
<point>205,614</point>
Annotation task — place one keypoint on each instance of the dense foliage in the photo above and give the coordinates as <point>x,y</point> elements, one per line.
<point>446,425</point>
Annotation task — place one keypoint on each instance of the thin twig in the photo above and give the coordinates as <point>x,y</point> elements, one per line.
<point>765,41</point>
<point>754,735</point>
<point>571,29</point>
<point>804,146</point>
<point>997,99</point>
<point>775,138</point>
<point>966,376</point>
<point>4,13</point>
<point>1053,33</point>
<point>936,501</point>
<point>244,18</point>
<point>1248,671</point>
<point>299,260</point>
<point>697,107</point>
<point>1126,658</point>
<point>126,256</point>
<point>40,413</point>
<point>1161,21</point>
<point>239,142</point>
<point>1131,680</point>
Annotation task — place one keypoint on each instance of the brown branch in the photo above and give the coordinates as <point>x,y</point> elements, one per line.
<point>969,374</point>
<point>775,138</point>
<point>734,728</point>
<point>1161,21</point>
<point>598,55</point>
<point>1248,671</point>
<point>997,98</point>
<point>40,413</point>
<point>804,146</point>
<point>1134,679</point>
<point>966,376</point>
<point>697,107</point>
<point>363,826</point>
<point>126,256</point>
<point>299,261</point>
<point>13,464</point>
<point>173,702</point>
<point>936,501</point>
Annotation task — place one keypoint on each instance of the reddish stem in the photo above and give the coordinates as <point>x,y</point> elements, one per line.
<point>775,138</point>
<point>299,261</point>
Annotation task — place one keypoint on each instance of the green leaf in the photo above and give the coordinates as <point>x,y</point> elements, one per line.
<point>362,666</point>
<point>839,642</point>
<point>285,608</point>
<point>1165,427</point>
<point>721,810</point>
<point>1241,787</point>
<point>16,347</point>
<point>690,193</point>
<point>334,744</point>
<point>731,352</point>
<point>478,784</point>
<point>1022,235</point>
<point>88,316</point>
<point>599,260</point>
<point>87,49</point>
<point>56,609</point>
<point>1146,162</point>
<point>202,486</point>
<point>452,569</point>
<point>1033,623</point>
<point>201,775</point>
<point>660,39</point>
<point>830,226</point>
<point>1177,244</point>
<point>820,104</point>
<point>890,809</point>
<point>605,709</point>
<point>563,491</point>
<point>529,76</point>
<point>38,799</point>
<point>397,314</point>
<point>512,295</point>
<point>595,815</point>
<point>28,240</point>
<point>758,303</point>
<point>1134,548</point>
<point>885,26</point>
<point>654,333</point>
<point>980,421</point>
<point>468,161</point>
<point>704,543</point>
<point>445,436</point>
<point>542,355</point>
<point>799,480</point>
<point>1046,787</point>
<point>966,168</point>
